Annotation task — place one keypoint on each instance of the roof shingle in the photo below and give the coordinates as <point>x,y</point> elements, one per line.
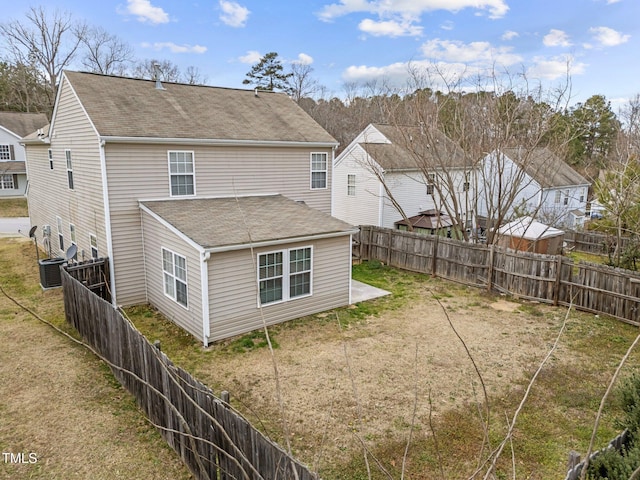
<point>244,220</point>
<point>127,107</point>
<point>22,124</point>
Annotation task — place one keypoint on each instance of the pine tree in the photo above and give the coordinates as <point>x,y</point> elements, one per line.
<point>268,74</point>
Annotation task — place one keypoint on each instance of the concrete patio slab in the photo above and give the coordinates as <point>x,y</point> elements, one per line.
<point>15,227</point>
<point>361,292</point>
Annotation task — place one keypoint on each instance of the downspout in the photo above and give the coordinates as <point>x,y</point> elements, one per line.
<point>204,288</point>
<point>380,203</point>
<point>333,159</point>
<point>107,223</point>
<point>350,264</point>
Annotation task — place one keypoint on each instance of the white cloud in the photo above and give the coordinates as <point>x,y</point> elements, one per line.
<point>555,67</point>
<point>146,12</point>
<point>448,25</point>
<point>233,14</point>
<point>389,28</point>
<point>510,35</point>
<point>610,2</point>
<point>556,38</point>
<point>174,48</point>
<point>252,56</point>
<point>608,37</point>
<point>386,8</point>
<point>472,53</point>
<point>304,59</point>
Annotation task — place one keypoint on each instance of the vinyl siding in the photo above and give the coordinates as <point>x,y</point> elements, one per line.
<point>49,195</point>
<point>364,207</point>
<point>410,191</point>
<point>155,237</point>
<point>141,172</point>
<point>233,287</point>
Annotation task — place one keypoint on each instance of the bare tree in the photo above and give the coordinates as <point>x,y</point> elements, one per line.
<point>193,76</point>
<point>300,82</point>
<point>149,68</point>
<point>49,41</point>
<point>105,53</point>
<point>502,112</point>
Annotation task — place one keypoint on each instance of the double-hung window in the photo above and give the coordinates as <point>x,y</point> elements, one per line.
<point>174,268</point>
<point>67,154</point>
<point>351,185</point>
<point>6,152</point>
<point>431,180</point>
<point>50,154</point>
<point>181,173</point>
<point>558,195</point>
<point>319,170</point>
<point>60,234</point>
<point>284,275</point>
<point>6,182</point>
<point>93,241</point>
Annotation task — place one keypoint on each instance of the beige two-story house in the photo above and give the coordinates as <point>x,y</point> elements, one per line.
<point>212,204</point>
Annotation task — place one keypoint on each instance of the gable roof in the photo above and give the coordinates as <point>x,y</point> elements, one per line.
<point>545,167</point>
<point>409,143</point>
<point>130,108</point>
<point>22,124</point>
<point>269,219</point>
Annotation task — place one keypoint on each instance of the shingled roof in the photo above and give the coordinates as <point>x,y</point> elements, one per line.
<point>269,218</point>
<point>409,143</point>
<point>545,167</point>
<point>22,124</point>
<point>127,107</point>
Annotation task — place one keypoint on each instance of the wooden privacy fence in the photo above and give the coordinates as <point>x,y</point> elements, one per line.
<point>552,279</point>
<point>591,242</point>
<point>213,440</point>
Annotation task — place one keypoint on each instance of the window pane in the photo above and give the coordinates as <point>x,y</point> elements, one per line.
<point>169,285</point>
<point>180,268</point>
<point>300,284</point>
<point>70,178</point>
<point>270,265</point>
<point>5,152</point>
<point>181,293</point>
<point>318,180</point>
<point>182,185</point>
<point>167,261</point>
<point>270,290</point>
<point>300,260</point>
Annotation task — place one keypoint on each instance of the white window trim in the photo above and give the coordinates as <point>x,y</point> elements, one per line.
<point>193,162</point>
<point>8,153</point>
<point>175,279</point>
<point>286,275</point>
<point>60,234</point>
<point>325,171</point>
<point>93,237</point>
<point>351,186</point>
<point>69,163</point>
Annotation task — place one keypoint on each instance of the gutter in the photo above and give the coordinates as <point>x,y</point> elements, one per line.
<point>218,141</point>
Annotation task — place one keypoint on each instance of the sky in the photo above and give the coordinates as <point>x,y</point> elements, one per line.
<point>377,42</point>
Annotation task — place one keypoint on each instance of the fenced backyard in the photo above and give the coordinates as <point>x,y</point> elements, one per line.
<point>212,439</point>
<point>551,279</point>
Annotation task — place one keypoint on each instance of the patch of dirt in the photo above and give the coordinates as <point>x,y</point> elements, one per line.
<point>59,404</point>
<point>341,387</point>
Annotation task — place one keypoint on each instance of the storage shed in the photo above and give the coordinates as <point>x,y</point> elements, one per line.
<point>528,235</point>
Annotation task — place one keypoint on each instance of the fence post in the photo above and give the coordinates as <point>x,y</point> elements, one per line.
<point>556,287</point>
<point>490,270</point>
<point>434,257</point>
<point>389,249</point>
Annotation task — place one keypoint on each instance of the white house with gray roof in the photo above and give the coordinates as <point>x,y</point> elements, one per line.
<point>209,202</point>
<point>535,182</point>
<point>13,170</point>
<point>387,169</point>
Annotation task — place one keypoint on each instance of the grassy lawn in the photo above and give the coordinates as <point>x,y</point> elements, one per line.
<point>558,416</point>
<point>13,207</point>
<point>57,401</point>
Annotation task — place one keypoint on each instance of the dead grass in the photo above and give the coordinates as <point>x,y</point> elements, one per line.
<point>350,379</point>
<point>58,401</point>
<point>13,207</point>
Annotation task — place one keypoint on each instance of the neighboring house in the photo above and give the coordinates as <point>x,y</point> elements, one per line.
<point>428,222</point>
<point>13,171</point>
<point>380,168</point>
<point>209,202</point>
<point>528,235</point>
<point>531,182</point>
